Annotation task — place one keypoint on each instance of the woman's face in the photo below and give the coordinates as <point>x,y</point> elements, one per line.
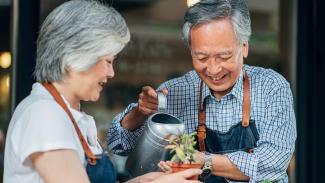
<point>88,84</point>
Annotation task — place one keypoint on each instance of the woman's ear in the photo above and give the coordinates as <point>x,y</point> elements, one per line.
<point>245,50</point>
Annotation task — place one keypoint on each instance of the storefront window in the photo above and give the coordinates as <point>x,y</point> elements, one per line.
<point>156,52</point>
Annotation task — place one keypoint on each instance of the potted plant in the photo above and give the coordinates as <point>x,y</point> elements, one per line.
<point>182,150</point>
<point>267,181</point>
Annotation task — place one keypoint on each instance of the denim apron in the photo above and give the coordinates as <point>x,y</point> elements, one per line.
<point>240,137</point>
<point>103,171</point>
<point>99,167</point>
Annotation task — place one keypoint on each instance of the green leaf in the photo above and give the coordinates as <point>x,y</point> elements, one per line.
<point>171,146</point>
<point>173,158</point>
<point>180,154</point>
<point>266,181</point>
<point>182,147</point>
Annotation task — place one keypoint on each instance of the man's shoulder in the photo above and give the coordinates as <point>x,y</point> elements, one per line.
<point>265,76</point>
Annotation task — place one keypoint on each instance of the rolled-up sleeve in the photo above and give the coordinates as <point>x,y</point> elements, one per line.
<point>276,145</point>
<point>121,141</point>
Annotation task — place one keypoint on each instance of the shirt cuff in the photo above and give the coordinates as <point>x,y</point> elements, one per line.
<point>120,140</point>
<point>128,138</point>
<point>246,163</point>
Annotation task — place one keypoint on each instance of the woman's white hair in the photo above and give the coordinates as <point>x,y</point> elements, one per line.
<point>73,37</point>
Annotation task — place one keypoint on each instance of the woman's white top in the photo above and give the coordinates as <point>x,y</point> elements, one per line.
<point>40,124</point>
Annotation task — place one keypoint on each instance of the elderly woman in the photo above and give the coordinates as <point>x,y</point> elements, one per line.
<point>49,138</point>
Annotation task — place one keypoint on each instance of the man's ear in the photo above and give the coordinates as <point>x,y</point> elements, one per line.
<point>245,50</point>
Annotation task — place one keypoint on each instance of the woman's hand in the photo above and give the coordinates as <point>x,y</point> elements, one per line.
<point>146,178</point>
<point>160,177</point>
<point>179,177</point>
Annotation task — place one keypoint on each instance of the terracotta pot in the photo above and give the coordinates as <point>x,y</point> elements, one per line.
<point>177,167</point>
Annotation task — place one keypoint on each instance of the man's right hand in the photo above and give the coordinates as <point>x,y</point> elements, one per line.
<point>147,105</point>
<point>148,100</point>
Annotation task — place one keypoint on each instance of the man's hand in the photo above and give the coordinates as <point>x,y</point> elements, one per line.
<point>165,166</point>
<point>147,105</point>
<point>199,157</point>
<point>148,100</point>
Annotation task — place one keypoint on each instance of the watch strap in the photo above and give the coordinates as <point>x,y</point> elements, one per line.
<point>207,167</point>
<point>207,160</point>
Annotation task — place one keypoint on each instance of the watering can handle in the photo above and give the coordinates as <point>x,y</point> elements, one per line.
<point>162,102</point>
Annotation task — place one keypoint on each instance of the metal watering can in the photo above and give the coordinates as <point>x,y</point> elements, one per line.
<point>150,148</point>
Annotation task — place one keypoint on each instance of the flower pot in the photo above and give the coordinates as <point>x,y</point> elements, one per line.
<point>177,167</point>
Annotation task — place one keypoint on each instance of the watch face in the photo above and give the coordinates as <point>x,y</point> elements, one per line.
<point>206,173</point>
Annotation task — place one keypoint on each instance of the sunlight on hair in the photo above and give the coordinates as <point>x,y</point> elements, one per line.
<point>192,2</point>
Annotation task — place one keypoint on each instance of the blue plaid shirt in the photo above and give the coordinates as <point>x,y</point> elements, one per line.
<point>271,108</point>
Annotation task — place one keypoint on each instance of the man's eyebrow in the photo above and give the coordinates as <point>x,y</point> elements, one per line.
<point>227,52</point>
<point>224,52</point>
<point>199,53</point>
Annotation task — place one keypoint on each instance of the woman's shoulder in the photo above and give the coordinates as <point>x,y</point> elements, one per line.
<point>39,113</point>
<point>39,125</point>
<point>38,104</point>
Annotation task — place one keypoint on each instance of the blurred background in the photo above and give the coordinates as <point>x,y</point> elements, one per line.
<point>288,36</point>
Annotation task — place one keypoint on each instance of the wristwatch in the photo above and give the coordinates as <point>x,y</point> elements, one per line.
<point>207,167</point>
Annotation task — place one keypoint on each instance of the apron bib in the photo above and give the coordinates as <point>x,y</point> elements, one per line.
<point>240,137</point>
<point>103,171</point>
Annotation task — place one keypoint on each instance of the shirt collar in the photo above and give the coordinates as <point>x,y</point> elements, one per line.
<point>206,91</point>
<point>77,115</point>
<point>237,90</point>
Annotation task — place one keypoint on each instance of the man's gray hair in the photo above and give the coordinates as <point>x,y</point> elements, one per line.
<point>73,37</point>
<point>206,11</point>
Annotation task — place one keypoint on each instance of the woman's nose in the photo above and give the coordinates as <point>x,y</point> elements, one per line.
<point>110,72</point>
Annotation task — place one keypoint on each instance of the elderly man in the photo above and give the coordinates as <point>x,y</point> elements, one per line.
<point>243,114</point>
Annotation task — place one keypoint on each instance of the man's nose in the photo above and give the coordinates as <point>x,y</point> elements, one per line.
<point>213,66</point>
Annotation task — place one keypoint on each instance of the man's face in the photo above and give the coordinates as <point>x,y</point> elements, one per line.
<point>217,56</point>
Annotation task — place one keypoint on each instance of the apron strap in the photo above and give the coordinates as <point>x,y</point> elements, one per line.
<point>245,118</point>
<point>246,105</point>
<point>201,132</point>
<point>57,97</point>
